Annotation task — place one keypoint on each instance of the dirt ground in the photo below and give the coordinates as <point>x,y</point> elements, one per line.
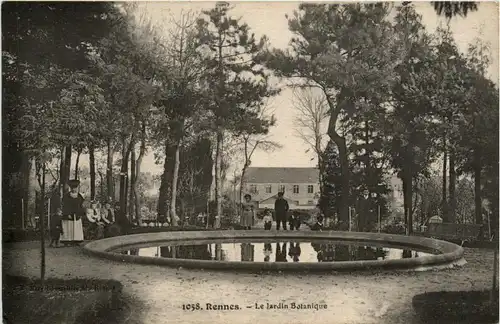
<point>158,293</point>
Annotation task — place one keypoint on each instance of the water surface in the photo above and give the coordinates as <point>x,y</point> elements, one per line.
<point>273,251</point>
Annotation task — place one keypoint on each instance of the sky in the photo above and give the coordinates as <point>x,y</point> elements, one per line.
<point>269,18</point>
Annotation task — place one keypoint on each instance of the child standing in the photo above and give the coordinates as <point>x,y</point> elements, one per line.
<point>294,221</point>
<point>56,228</point>
<point>268,220</point>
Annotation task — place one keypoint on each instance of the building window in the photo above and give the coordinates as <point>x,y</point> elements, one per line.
<point>268,189</point>
<point>295,189</point>
<point>310,202</point>
<point>310,189</point>
<point>253,189</point>
<point>281,188</point>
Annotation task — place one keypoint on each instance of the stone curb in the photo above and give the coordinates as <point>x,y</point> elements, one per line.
<point>451,254</point>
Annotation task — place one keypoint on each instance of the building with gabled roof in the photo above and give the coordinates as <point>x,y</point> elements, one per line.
<point>299,185</point>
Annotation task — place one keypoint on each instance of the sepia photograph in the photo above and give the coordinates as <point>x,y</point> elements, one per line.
<point>250,162</point>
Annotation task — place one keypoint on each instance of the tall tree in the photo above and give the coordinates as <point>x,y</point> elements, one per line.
<point>347,51</point>
<point>234,81</point>
<point>183,99</point>
<point>409,127</point>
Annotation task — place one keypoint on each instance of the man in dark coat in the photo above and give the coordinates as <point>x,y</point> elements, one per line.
<point>281,210</point>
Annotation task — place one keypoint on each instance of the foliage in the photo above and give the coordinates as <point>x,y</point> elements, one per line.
<point>330,193</point>
<point>349,52</point>
<point>394,229</point>
<point>235,84</point>
<point>454,8</point>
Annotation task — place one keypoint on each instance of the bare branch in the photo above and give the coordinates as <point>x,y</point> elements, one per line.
<point>312,113</point>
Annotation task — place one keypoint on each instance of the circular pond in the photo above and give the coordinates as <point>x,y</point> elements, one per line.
<point>272,250</point>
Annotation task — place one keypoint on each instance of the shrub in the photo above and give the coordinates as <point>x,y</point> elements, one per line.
<point>456,307</point>
<point>339,226</point>
<point>394,229</point>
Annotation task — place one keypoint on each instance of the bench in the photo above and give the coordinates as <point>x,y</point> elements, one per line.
<point>455,232</point>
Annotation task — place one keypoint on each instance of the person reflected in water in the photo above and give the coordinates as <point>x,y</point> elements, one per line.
<point>406,254</point>
<point>294,251</point>
<point>247,252</point>
<point>247,213</point>
<point>165,251</point>
<point>318,247</point>
<point>281,252</point>
<point>268,250</point>
<point>380,253</point>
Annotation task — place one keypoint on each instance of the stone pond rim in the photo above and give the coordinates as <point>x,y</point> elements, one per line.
<point>450,253</point>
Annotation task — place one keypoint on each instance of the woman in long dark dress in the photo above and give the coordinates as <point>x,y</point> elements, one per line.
<point>73,212</point>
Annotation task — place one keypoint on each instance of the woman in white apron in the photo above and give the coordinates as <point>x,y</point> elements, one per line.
<point>73,212</point>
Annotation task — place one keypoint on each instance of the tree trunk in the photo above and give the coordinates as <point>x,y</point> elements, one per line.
<point>26,184</point>
<point>123,179</point>
<point>165,185</point>
<point>133,176</point>
<point>142,152</point>
<point>124,176</point>
<point>242,184</point>
<point>109,173</point>
<point>62,177</point>
<point>407,199</point>
<point>67,163</point>
<point>175,180</point>
<point>452,196</point>
<point>407,177</point>
<point>444,201</point>
<point>42,227</point>
<point>101,188</point>
<point>320,162</point>
<point>477,187</point>
<point>77,163</point>
<point>218,176</point>
<point>92,172</point>
<point>365,215</point>
<point>345,176</point>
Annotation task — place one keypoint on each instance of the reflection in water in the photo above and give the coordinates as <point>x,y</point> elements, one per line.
<point>268,250</point>
<point>281,252</point>
<point>294,251</point>
<point>218,252</point>
<point>247,252</point>
<point>284,252</point>
<point>406,254</point>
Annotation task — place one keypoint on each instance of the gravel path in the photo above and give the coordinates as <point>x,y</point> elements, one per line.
<point>381,297</point>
